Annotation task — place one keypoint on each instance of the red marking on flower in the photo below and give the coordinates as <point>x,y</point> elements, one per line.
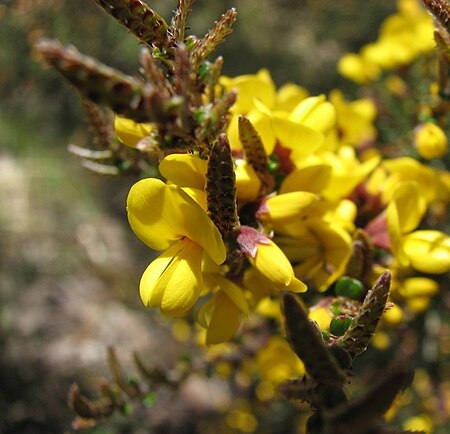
<point>284,158</point>
<point>249,238</point>
<point>378,232</point>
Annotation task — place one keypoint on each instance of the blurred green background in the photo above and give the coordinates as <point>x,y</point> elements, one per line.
<point>69,265</point>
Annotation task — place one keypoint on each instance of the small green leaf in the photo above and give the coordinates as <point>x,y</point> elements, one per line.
<point>126,409</point>
<point>149,399</point>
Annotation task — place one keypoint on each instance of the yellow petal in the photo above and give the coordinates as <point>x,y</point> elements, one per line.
<point>173,281</point>
<point>160,214</point>
<point>130,132</point>
<point>418,287</point>
<point>316,113</point>
<point>184,170</point>
<point>224,322</point>
<point>302,140</point>
<point>322,316</point>
<point>395,234</point>
<point>310,178</point>
<point>288,96</point>
<point>272,263</point>
<point>250,87</point>
<point>296,286</point>
<point>428,251</point>
<point>248,183</point>
<point>430,141</point>
<point>410,206</point>
<point>233,292</point>
<point>149,280</point>
<point>285,208</point>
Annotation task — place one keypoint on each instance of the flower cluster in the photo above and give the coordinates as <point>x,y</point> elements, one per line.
<point>403,37</point>
<point>319,180</point>
<point>261,192</point>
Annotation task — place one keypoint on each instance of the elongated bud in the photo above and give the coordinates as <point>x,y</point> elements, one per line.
<point>222,27</point>
<point>221,187</point>
<point>357,337</point>
<point>95,81</point>
<point>440,10</point>
<point>139,19</point>
<point>255,152</point>
<point>178,25</point>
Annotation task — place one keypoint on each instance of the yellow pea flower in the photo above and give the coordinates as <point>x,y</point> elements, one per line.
<point>425,250</point>
<point>319,251</point>
<point>430,141</point>
<point>221,315</point>
<point>129,132</point>
<point>269,260</point>
<point>354,119</point>
<point>251,87</point>
<point>166,218</point>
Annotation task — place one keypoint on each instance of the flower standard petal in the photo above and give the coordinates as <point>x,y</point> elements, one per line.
<point>130,132</point>
<point>160,214</point>
<point>184,170</point>
<point>302,140</point>
<point>288,207</point>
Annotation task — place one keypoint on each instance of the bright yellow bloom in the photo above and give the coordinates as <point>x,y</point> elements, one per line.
<point>286,208</point>
<point>276,362</point>
<point>129,132</point>
<point>249,88</point>
<point>427,251</point>
<point>184,170</point>
<point>417,292</point>
<point>357,68</point>
<point>318,250</point>
<point>354,119</point>
<point>430,141</point>
<point>269,260</point>
<point>403,37</point>
<point>166,218</point>
<point>392,173</point>
<point>221,315</point>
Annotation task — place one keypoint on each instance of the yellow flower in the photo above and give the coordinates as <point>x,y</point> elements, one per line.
<point>318,250</point>
<point>221,315</point>
<point>166,218</point>
<point>276,362</point>
<point>392,173</point>
<point>426,250</point>
<point>286,208</point>
<point>249,88</point>
<point>129,132</point>
<point>417,291</point>
<point>354,119</point>
<point>269,260</point>
<point>403,36</point>
<point>358,69</point>
<point>430,141</point>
